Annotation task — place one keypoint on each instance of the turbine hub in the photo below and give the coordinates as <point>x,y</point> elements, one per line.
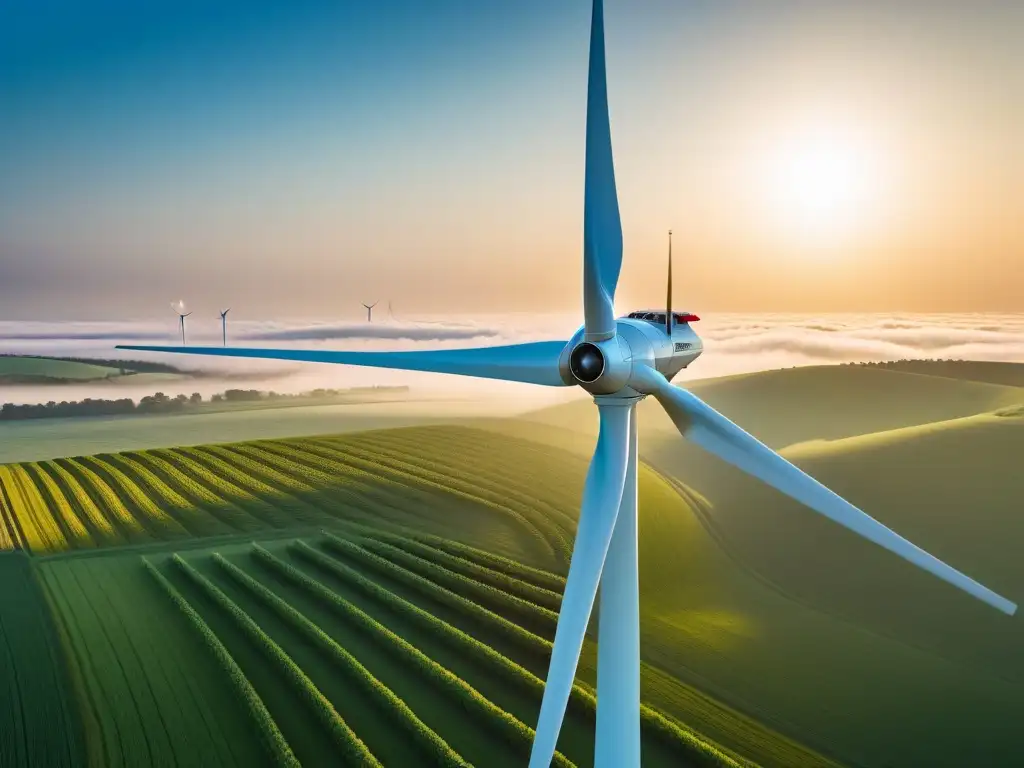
<point>586,363</point>
<point>600,367</point>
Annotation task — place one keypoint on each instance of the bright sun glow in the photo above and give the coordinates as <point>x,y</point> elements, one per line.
<point>820,182</point>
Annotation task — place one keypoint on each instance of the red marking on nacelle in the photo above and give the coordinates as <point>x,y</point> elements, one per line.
<point>687,318</point>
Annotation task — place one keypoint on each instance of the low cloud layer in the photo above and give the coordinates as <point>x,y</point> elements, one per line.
<point>425,332</point>
<point>732,344</point>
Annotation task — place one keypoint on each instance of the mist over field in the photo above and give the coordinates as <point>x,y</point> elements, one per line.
<point>734,343</point>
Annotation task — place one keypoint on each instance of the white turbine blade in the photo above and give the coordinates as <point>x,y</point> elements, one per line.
<point>602,495</point>
<point>533,363</point>
<point>602,229</point>
<point>703,425</point>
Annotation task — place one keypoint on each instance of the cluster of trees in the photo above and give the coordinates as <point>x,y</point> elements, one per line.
<point>161,403</point>
<point>158,403</point>
<point>905,361</point>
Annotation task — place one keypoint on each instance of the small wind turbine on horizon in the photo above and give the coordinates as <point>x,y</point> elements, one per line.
<point>619,361</point>
<point>224,324</point>
<point>179,307</point>
<point>369,311</point>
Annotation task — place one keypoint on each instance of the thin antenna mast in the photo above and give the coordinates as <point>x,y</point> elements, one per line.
<point>668,300</point>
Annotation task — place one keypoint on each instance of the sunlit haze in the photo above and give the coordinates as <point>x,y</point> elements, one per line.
<point>293,160</point>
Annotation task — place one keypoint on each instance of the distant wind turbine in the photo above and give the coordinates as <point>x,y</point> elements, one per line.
<point>224,324</point>
<point>369,311</point>
<point>179,307</point>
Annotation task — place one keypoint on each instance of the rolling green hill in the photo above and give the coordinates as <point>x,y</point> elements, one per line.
<point>791,405</point>
<point>92,524</point>
<point>18,369</point>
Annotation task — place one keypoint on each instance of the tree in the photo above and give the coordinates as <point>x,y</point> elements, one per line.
<point>196,398</point>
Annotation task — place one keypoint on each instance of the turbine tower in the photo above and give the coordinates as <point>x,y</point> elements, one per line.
<point>182,319</point>
<point>369,311</point>
<point>619,361</point>
<point>224,324</point>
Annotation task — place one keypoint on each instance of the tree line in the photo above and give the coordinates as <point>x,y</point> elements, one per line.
<point>161,403</point>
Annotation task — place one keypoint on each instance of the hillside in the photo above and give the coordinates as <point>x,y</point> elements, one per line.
<point>1007,374</point>
<point>427,604</point>
<point>791,405</point>
<point>954,488</point>
<point>727,651</point>
<point>33,370</point>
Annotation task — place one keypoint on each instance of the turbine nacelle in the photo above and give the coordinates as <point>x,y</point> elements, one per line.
<point>609,367</point>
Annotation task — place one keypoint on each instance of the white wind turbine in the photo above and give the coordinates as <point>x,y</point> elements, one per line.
<point>224,325</point>
<point>618,361</point>
<point>179,307</point>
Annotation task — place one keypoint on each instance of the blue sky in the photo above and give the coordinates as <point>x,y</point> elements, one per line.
<point>295,158</point>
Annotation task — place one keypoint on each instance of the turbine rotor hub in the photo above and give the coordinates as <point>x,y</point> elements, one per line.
<point>599,367</point>
<point>586,362</point>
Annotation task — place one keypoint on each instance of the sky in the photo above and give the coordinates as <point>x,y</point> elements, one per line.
<point>292,160</point>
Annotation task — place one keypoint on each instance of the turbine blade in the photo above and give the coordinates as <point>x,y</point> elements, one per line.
<point>602,229</point>
<point>602,495</point>
<point>713,432</point>
<point>534,363</point>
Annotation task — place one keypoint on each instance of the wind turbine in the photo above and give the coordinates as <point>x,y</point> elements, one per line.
<point>619,361</point>
<point>224,324</point>
<point>369,311</point>
<point>179,307</point>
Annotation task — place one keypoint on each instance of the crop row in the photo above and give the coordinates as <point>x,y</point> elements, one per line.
<point>525,613</point>
<point>167,494</point>
<point>458,484</point>
<point>698,752</point>
<point>538,648</point>
<point>514,735</point>
<point>401,716</point>
<point>270,735</point>
<point>496,467</point>
<point>539,596</point>
<point>348,744</point>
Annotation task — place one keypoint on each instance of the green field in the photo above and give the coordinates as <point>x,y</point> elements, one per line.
<point>409,630</point>
<point>35,439</point>
<point>28,369</point>
<point>391,595</point>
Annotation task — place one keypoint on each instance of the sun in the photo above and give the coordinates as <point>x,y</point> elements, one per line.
<point>821,182</point>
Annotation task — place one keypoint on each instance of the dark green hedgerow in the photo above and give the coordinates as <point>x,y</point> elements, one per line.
<point>697,752</point>
<point>536,646</point>
<point>350,746</point>
<point>404,719</point>
<point>539,596</point>
<point>270,735</point>
<point>517,736</point>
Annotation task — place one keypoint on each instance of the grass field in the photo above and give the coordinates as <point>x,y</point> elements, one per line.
<point>391,595</point>
<point>33,440</point>
<point>49,368</point>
